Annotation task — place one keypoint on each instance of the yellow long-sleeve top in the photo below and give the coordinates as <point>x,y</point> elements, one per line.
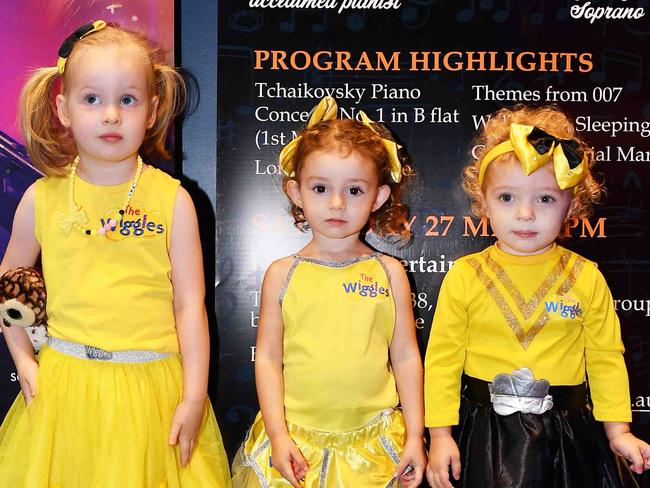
<point>551,312</point>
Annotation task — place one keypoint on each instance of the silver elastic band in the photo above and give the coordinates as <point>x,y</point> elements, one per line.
<point>88,352</point>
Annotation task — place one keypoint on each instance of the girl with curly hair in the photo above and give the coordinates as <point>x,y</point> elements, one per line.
<point>336,350</point>
<point>521,326</point>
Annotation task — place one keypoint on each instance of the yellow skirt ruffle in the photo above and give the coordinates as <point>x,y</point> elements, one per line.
<point>96,424</point>
<point>365,457</point>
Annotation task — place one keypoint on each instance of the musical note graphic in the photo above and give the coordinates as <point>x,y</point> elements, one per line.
<point>245,21</point>
<point>614,61</point>
<point>537,17</point>
<point>467,14</point>
<point>356,22</point>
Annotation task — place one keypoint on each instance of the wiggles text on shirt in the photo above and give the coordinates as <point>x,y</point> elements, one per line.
<point>366,286</point>
<point>137,222</point>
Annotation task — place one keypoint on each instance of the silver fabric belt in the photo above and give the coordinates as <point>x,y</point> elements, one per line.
<point>88,352</point>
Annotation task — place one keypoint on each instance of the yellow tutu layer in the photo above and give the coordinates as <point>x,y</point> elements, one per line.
<point>365,457</point>
<point>97,424</point>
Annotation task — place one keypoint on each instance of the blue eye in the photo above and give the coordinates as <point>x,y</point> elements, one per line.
<point>128,100</point>
<point>319,188</point>
<point>91,99</point>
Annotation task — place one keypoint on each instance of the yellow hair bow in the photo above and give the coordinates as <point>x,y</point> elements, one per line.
<point>535,147</point>
<point>325,110</point>
<point>390,145</point>
<point>68,44</point>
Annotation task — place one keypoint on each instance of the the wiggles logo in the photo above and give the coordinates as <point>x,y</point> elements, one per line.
<point>365,286</point>
<point>136,222</point>
<point>564,307</point>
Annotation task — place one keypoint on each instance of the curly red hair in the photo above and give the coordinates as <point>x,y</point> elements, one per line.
<point>348,135</point>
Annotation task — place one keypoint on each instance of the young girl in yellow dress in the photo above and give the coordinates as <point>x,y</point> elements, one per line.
<point>521,325</point>
<point>118,398</point>
<point>336,350</point>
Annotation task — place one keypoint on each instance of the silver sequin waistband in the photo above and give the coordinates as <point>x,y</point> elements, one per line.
<point>88,352</point>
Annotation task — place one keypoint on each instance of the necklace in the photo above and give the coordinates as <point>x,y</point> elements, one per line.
<point>76,216</point>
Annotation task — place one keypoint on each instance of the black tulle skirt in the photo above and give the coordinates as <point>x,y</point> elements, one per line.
<point>561,448</point>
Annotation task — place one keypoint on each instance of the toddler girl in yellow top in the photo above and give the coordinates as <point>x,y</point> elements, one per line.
<point>119,395</point>
<point>519,326</point>
<point>336,336</point>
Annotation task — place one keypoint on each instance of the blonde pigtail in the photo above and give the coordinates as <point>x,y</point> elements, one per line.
<point>171,89</point>
<point>48,143</point>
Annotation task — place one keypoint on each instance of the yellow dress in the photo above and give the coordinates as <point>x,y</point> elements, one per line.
<point>339,388</point>
<point>102,423</point>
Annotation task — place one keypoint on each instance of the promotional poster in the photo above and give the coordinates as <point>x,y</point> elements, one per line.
<point>433,72</point>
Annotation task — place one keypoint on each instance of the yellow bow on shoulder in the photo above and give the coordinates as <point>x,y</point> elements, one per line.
<point>325,110</point>
<point>535,147</point>
<point>76,216</point>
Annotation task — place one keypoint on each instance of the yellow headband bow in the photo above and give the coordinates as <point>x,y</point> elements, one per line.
<point>326,110</point>
<point>535,147</point>
<point>68,44</point>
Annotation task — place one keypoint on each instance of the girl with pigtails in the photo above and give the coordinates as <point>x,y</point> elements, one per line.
<point>118,396</point>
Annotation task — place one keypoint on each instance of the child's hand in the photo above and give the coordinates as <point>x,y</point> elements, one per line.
<point>185,427</point>
<point>414,455</point>
<point>443,453</point>
<point>633,449</point>
<point>288,460</point>
<point>28,375</point>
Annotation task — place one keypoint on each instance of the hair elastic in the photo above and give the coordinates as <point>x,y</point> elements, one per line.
<point>68,44</point>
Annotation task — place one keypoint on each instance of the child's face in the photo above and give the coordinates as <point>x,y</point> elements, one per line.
<point>526,212</point>
<point>337,192</point>
<point>106,103</point>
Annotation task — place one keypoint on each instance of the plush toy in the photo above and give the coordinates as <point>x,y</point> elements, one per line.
<point>22,303</point>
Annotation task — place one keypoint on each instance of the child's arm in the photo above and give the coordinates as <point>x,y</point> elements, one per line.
<point>625,444</point>
<point>286,456</point>
<point>191,324</point>
<point>22,250</point>
<point>607,374</point>
<point>444,363</point>
<point>443,454</point>
<point>407,366</point>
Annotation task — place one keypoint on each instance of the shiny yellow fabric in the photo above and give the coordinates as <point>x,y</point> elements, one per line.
<point>113,292</point>
<point>497,312</point>
<point>326,109</point>
<point>531,160</point>
<point>338,325</point>
<point>96,424</point>
<point>364,458</point>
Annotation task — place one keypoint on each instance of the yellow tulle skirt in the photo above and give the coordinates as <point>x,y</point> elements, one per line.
<point>364,458</point>
<point>96,424</point>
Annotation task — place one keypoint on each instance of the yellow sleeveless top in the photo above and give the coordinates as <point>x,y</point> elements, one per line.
<point>338,325</point>
<point>113,292</point>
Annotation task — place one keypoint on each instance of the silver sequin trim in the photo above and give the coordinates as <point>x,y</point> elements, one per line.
<point>338,264</point>
<point>383,265</point>
<point>324,467</point>
<point>285,285</point>
<point>249,460</point>
<point>96,354</point>
<point>389,448</point>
